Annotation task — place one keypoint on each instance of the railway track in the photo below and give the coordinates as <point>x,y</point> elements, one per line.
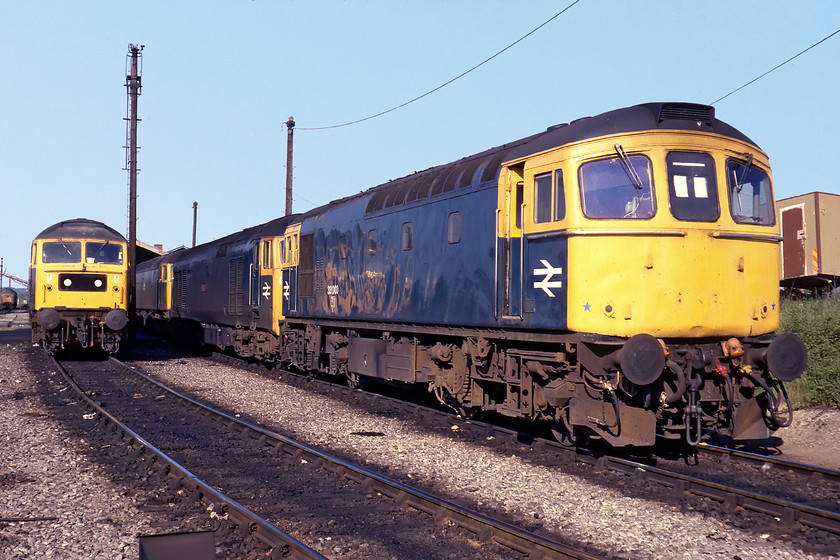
<point>809,473</point>
<point>789,494</point>
<point>260,478</point>
<point>181,480</point>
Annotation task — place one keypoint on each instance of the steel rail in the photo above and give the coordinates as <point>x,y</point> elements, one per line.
<point>787,512</point>
<point>485,527</point>
<point>282,544</point>
<point>813,471</point>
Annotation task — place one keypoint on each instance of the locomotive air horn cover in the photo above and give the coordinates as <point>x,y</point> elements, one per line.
<point>642,359</point>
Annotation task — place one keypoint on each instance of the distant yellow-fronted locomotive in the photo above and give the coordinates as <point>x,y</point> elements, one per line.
<point>615,277</point>
<point>78,287</point>
<point>8,298</point>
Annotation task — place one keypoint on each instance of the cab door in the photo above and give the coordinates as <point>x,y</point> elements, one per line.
<point>509,243</point>
<point>164,289</point>
<point>289,251</point>
<point>254,288</point>
<point>269,290</point>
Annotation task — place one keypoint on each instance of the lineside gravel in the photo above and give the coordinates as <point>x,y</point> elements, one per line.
<point>580,511</point>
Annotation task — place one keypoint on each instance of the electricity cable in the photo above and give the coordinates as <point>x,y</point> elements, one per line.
<point>775,67</point>
<point>461,75</point>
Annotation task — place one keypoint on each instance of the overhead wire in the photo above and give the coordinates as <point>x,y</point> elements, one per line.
<point>776,67</point>
<point>459,76</point>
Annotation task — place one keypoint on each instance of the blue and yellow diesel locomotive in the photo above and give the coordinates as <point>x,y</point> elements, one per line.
<point>615,277</point>
<point>78,286</point>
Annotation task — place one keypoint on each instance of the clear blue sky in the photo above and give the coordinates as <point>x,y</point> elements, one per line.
<point>221,77</point>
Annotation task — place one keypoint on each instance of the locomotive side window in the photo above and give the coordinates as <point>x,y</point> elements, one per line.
<point>619,187</point>
<point>62,252</point>
<point>549,199</point>
<point>373,242</point>
<point>692,188</point>
<point>454,226</point>
<point>284,259</point>
<point>288,251</point>
<point>542,198</point>
<point>102,252</point>
<point>267,260</point>
<point>407,236</point>
<point>559,196</point>
<point>750,194</point>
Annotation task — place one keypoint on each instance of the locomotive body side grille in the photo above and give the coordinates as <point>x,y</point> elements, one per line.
<point>687,112</point>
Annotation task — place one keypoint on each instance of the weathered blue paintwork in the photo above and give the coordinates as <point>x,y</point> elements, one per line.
<point>433,282</point>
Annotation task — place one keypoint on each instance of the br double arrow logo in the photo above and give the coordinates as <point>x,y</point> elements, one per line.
<point>548,273</point>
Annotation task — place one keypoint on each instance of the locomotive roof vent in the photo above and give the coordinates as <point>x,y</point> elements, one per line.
<point>687,112</point>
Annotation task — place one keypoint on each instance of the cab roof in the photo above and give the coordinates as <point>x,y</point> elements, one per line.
<point>81,228</point>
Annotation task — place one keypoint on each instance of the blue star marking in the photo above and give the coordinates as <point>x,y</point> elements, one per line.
<point>586,306</point>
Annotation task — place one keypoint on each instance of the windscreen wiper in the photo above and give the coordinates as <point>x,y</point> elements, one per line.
<point>629,169</point>
<point>739,182</point>
<point>65,247</point>
<point>101,247</point>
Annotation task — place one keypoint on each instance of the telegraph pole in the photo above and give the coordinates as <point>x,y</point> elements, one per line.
<point>290,125</point>
<point>195,220</point>
<point>132,84</point>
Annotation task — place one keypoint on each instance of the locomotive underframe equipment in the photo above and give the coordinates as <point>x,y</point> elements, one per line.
<point>60,329</point>
<point>610,388</point>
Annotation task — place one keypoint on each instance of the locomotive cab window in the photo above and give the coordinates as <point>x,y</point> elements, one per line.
<point>288,251</point>
<point>750,194</point>
<point>373,242</point>
<point>617,188</point>
<point>267,256</point>
<point>692,189</point>
<point>549,198</point>
<point>62,252</point>
<point>103,252</point>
